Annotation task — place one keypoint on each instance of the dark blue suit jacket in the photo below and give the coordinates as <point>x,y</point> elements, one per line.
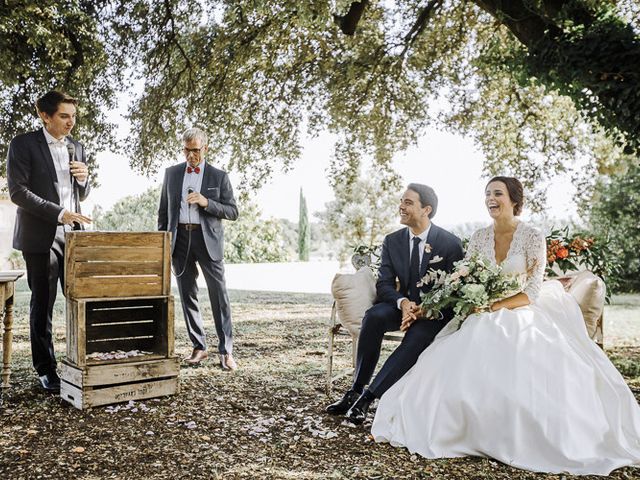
<point>446,249</point>
<point>222,205</point>
<point>33,187</point>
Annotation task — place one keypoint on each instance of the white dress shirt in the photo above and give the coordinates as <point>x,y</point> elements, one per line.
<point>193,180</point>
<point>421,245</point>
<point>60,155</point>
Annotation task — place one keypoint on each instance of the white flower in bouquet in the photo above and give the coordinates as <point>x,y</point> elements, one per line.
<point>484,275</point>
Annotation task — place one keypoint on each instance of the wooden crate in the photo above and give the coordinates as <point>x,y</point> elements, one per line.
<point>93,386</point>
<point>118,289</point>
<point>111,324</point>
<point>117,264</point>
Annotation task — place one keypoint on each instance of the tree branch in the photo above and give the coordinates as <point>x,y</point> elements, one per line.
<point>527,25</point>
<point>349,22</point>
<point>421,21</point>
<point>420,24</point>
<point>174,36</point>
<point>77,58</point>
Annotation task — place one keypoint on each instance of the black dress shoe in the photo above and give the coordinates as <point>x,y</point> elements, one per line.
<point>50,382</point>
<point>342,406</point>
<point>357,414</point>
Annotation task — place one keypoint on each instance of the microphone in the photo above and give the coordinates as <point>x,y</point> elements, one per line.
<point>71,148</point>
<point>189,192</point>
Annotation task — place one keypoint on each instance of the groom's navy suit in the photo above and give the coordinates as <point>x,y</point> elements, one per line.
<point>385,315</point>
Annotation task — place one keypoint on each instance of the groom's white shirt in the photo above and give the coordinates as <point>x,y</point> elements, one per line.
<point>423,242</point>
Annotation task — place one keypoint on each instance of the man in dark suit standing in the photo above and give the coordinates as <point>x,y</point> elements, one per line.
<point>195,198</point>
<point>47,178</point>
<point>407,254</point>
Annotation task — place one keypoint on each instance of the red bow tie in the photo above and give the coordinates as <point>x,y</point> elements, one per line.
<point>194,169</point>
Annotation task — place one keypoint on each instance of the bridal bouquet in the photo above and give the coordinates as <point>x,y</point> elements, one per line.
<point>472,287</point>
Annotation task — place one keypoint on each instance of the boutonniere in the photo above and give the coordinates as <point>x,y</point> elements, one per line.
<point>435,259</point>
<point>427,248</point>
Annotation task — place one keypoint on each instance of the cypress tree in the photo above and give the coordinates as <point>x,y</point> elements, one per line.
<point>304,232</point>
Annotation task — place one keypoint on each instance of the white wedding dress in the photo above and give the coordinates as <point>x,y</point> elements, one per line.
<point>525,386</point>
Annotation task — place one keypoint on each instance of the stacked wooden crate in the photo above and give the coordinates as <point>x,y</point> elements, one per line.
<point>120,337</point>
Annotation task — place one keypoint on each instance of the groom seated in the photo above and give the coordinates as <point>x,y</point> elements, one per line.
<point>407,254</point>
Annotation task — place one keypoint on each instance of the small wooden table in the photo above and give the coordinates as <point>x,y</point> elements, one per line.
<point>7,289</point>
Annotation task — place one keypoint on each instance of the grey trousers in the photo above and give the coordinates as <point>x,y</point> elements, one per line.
<point>213,271</point>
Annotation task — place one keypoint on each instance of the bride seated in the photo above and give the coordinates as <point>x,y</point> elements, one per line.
<point>522,383</point>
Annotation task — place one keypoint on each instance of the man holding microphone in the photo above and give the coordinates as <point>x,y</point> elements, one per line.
<point>47,178</point>
<point>195,198</point>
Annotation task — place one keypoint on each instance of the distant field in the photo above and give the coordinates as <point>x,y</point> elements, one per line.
<point>622,321</point>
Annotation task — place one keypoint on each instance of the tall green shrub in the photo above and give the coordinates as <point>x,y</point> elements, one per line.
<point>616,214</point>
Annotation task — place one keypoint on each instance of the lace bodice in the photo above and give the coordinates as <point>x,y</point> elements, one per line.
<point>527,254</point>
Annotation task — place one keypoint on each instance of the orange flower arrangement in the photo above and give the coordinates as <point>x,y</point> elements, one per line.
<point>559,247</point>
<point>569,252</point>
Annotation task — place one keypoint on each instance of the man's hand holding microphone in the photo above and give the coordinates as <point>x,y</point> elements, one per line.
<point>194,197</point>
<point>79,173</point>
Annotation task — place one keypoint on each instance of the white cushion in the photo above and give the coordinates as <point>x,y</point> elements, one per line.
<point>354,294</point>
<point>589,291</point>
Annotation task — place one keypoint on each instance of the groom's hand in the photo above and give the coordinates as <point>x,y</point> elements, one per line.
<point>410,313</point>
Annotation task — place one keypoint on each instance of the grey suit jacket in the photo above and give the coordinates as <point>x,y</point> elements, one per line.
<point>217,188</point>
<point>33,187</point>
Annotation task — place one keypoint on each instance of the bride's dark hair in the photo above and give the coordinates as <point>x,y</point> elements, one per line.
<point>515,189</point>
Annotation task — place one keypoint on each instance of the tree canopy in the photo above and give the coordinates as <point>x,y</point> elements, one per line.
<point>64,45</point>
<point>542,86</point>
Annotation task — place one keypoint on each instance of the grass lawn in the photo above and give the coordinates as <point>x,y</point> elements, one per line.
<point>264,421</point>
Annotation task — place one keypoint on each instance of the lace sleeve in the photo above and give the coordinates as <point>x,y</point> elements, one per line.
<point>475,244</point>
<point>536,254</point>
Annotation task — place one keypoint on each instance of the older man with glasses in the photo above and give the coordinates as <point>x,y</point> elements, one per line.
<point>195,198</point>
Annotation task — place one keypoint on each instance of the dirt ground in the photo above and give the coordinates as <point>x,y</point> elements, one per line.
<point>264,421</point>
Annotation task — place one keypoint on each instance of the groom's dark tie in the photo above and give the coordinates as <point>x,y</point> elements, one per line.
<point>414,271</point>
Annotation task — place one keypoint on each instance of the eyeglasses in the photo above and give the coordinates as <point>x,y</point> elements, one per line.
<point>195,151</point>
